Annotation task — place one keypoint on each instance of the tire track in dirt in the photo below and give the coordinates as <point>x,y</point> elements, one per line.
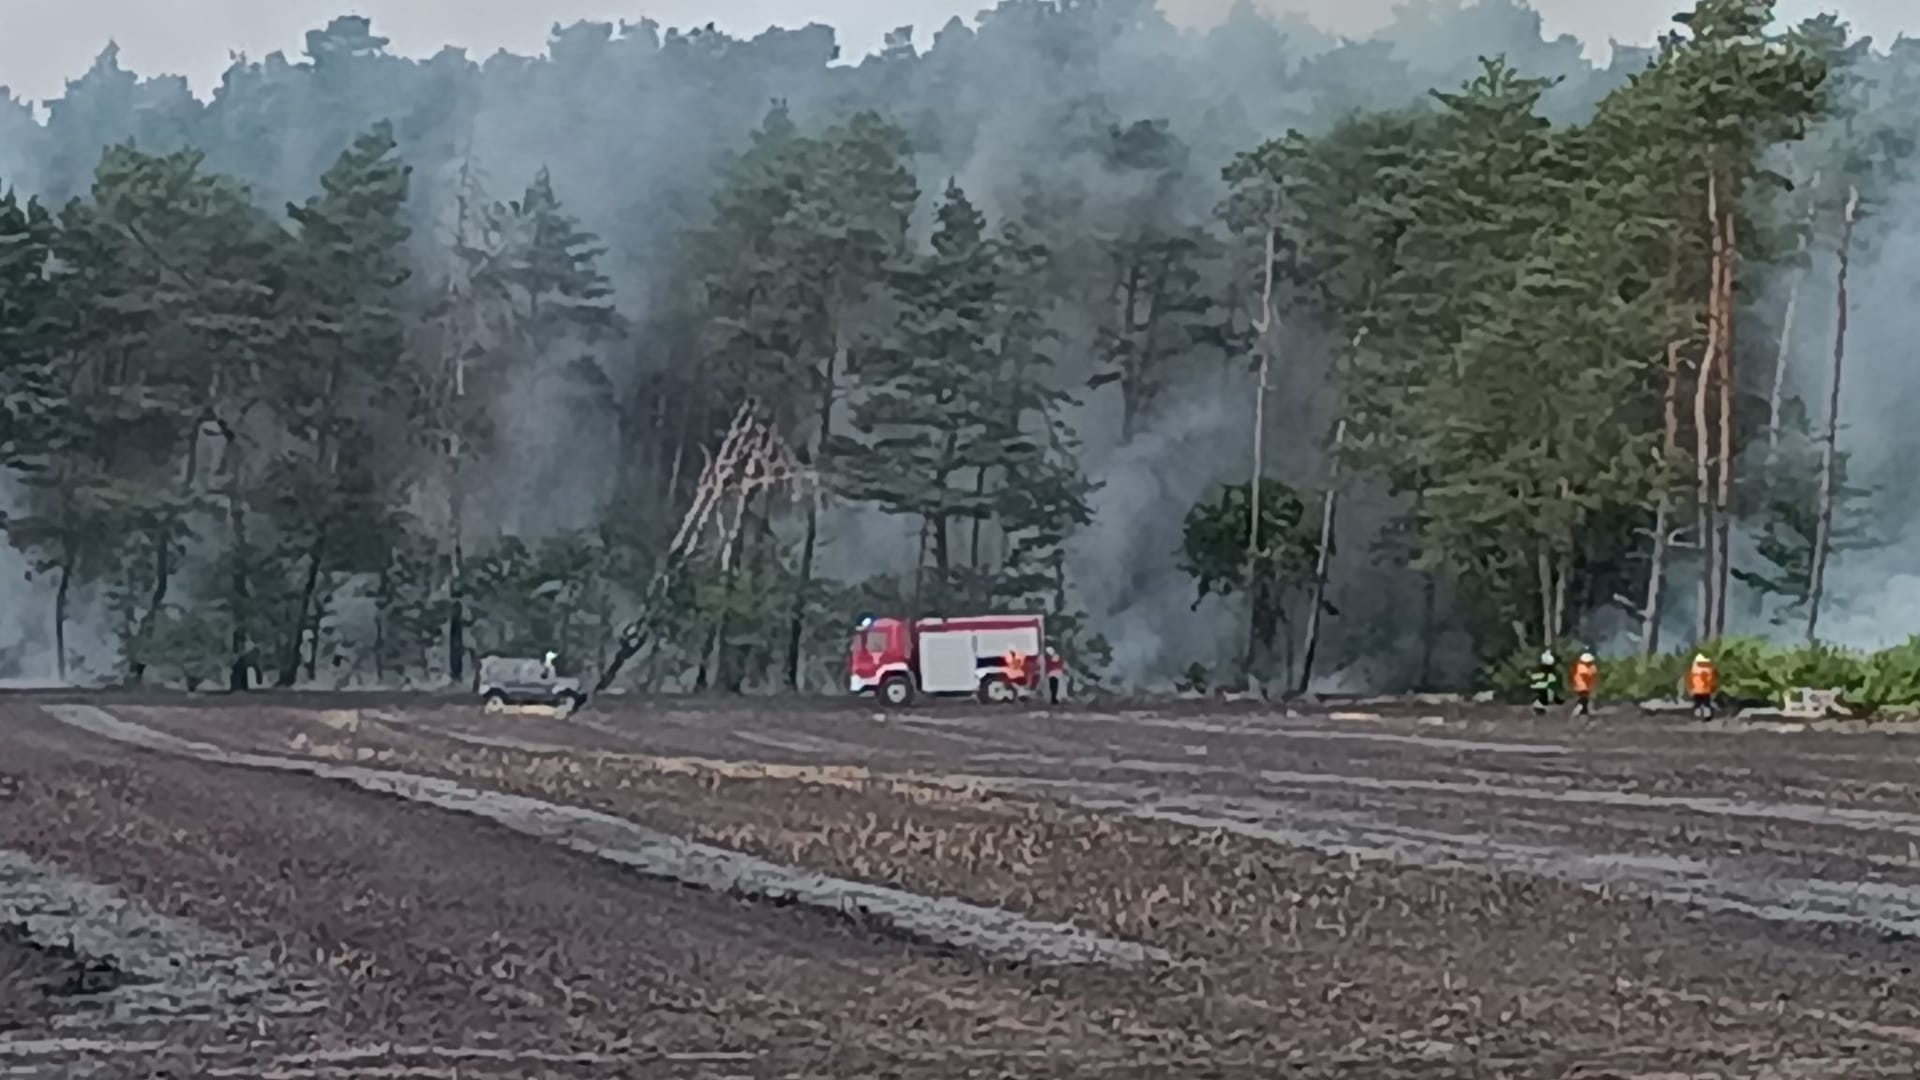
<point>1472,823</point>
<point>988,931</point>
<point>590,777</point>
<point>453,928</point>
<point>1715,884</point>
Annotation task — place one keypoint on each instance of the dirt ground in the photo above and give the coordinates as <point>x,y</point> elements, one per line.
<point>387,886</point>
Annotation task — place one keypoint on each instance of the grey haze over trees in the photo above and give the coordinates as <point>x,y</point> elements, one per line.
<point>369,365</point>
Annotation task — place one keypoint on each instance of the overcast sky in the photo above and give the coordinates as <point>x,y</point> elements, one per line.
<point>44,42</point>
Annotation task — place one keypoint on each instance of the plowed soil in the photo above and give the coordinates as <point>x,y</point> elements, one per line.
<point>1326,894</point>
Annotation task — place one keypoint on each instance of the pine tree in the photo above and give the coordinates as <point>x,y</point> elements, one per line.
<point>955,425</point>
<point>329,498</point>
<point>796,261</point>
<point>171,276</point>
<point>27,326</point>
<point>1158,304</point>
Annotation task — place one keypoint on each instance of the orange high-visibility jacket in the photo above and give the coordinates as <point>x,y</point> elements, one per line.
<point>1702,680</point>
<point>1016,666</point>
<point>1585,674</point>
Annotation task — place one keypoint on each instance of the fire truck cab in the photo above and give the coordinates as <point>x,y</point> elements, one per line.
<point>997,658</point>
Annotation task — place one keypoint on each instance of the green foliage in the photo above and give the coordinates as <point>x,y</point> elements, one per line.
<point>183,647</point>
<point>1889,680</point>
<point>409,615</point>
<point>1512,287</point>
<point>1214,547</point>
<point>28,335</point>
<point>1751,670</point>
<point>226,421</point>
<point>958,428</point>
<point>1215,550</point>
<point>562,593</point>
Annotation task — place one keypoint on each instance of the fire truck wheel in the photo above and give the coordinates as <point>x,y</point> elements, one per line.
<point>897,690</point>
<point>495,701</point>
<point>996,689</point>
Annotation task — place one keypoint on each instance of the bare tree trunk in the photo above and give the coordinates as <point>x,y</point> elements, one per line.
<point>314,622</point>
<point>163,551</point>
<point>290,656</point>
<point>673,473</point>
<point>60,611</point>
<point>457,563</point>
<point>943,555</point>
<point>725,670</point>
<point>1777,398</point>
<point>942,526</point>
<point>1543,563</point>
<point>1703,458</point>
<point>1823,533</point>
<point>920,569</point>
<point>1562,576</point>
<point>1428,603</point>
<point>979,499</point>
<point>1429,588</point>
<point>1253,516</point>
<point>1262,326</point>
<point>1663,511</point>
<point>1130,388</point>
<point>797,619</point>
<point>380,617</point>
<point>1723,517</point>
<point>1328,506</point>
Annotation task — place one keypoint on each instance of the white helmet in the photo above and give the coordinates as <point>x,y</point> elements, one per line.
<point>1586,658</point>
<point>1701,658</point>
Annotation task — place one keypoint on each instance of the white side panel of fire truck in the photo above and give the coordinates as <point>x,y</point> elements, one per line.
<point>993,644</point>
<point>947,662</point>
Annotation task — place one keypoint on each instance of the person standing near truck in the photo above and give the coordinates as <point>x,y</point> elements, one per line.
<point>1585,677</point>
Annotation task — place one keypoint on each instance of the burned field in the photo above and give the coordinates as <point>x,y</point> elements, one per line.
<point>382,887</point>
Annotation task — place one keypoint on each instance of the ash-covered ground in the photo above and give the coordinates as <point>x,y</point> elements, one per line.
<point>382,886</point>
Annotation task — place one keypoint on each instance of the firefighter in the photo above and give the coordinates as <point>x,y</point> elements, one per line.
<point>1585,676</point>
<point>1545,684</point>
<point>1016,667</point>
<point>1702,681</point>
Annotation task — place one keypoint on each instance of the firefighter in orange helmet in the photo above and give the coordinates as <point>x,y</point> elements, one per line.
<point>1703,680</point>
<point>1583,679</point>
<point>1016,667</point>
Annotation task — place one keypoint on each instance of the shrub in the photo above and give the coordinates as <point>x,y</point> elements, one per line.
<point>1643,678</point>
<point>1750,670</point>
<point>1890,678</point>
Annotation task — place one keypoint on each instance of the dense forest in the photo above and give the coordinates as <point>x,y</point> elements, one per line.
<point>1351,363</point>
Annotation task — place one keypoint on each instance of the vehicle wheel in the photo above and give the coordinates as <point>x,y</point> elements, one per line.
<point>897,691</point>
<point>995,689</point>
<point>569,704</point>
<point>495,701</point>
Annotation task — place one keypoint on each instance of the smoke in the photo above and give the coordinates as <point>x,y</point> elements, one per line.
<point>1125,569</point>
<point>27,654</point>
<point>635,122</point>
<point>1873,586</point>
<point>26,609</point>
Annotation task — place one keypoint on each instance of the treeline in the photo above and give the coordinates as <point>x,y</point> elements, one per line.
<point>1554,346</point>
<point>224,419</point>
<point>1503,342</point>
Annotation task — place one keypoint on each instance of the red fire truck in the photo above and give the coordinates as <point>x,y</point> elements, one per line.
<point>994,657</point>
